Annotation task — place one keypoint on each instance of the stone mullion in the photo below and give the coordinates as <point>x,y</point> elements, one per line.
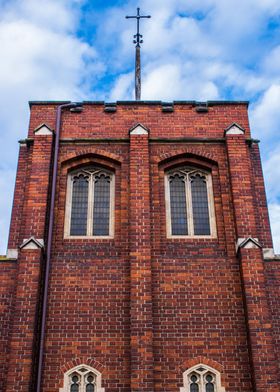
<point>258,316</point>
<point>140,266</point>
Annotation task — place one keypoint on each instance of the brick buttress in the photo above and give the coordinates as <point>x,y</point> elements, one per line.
<point>260,333</point>
<point>140,264</point>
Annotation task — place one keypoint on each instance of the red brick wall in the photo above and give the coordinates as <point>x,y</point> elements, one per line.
<point>198,309</point>
<point>263,226</point>
<point>272,269</point>
<point>7,287</point>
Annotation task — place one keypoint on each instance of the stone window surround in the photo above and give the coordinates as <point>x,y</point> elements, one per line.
<point>211,207</point>
<point>207,369</point>
<point>68,206</point>
<point>67,378</point>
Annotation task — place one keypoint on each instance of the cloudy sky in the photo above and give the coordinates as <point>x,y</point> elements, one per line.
<point>82,50</point>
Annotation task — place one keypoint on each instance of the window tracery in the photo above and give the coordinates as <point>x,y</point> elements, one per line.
<point>189,201</point>
<point>82,379</point>
<point>89,206</point>
<point>202,378</point>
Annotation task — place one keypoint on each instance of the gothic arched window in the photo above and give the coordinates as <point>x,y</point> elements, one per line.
<point>89,206</point>
<point>202,378</point>
<point>189,201</point>
<point>82,379</point>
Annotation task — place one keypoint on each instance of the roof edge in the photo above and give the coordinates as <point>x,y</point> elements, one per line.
<point>145,102</point>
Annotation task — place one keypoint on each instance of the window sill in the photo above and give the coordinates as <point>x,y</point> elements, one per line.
<point>87,237</point>
<point>192,237</point>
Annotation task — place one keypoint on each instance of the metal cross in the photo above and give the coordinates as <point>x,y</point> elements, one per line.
<point>138,40</point>
<point>138,37</point>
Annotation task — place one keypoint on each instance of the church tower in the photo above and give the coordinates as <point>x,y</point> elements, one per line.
<point>140,256</point>
<point>140,245</point>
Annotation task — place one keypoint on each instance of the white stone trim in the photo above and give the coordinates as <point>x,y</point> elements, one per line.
<point>234,129</point>
<point>68,207</point>
<point>138,129</point>
<point>247,243</point>
<point>268,253</point>
<point>76,369</point>
<point>43,130</point>
<point>12,254</point>
<point>32,243</point>
<point>211,207</point>
<point>207,369</point>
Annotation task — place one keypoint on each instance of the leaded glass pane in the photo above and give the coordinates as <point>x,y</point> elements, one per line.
<point>178,205</point>
<point>90,386</point>
<point>194,386</point>
<point>75,386</point>
<point>209,386</point>
<point>101,206</point>
<point>79,206</point>
<point>201,220</point>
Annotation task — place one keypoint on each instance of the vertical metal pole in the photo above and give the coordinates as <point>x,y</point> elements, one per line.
<point>137,74</point>
<point>138,40</point>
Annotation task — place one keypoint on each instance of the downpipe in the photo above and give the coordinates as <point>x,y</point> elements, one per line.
<point>60,108</point>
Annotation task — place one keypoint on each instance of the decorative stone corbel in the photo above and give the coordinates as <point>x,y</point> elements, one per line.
<point>32,243</point>
<point>247,243</point>
<point>234,129</point>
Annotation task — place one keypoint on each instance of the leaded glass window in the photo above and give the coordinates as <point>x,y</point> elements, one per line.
<point>79,208</point>
<point>74,383</point>
<point>178,205</point>
<point>202,378</point>
<point>89,209</point>
<point>194,385</point>
<point>189,198</point>
<point>82,378</point>
<point>209,383</point>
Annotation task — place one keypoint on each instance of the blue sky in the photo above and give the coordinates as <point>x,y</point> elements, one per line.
<point>82,50</point>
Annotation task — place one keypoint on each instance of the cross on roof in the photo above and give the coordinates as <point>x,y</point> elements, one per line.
<point>138,37</point>
<point>138,40</point>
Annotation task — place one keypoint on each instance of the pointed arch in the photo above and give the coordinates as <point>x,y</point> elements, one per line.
<point>80,377</point>
<point>202,378</point>
<point>188,154</point>
<point>88,155</point>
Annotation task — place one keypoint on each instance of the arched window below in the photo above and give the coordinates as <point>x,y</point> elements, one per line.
<point>202,378</point>
<point>190,203</point>
<point>90,203</point>
<point>82,379</point>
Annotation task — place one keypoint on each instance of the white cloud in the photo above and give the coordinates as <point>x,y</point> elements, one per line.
<point>265,116</point>
<point>174,81</point>
<point>123,88</point>
<point>271,168</point>
<point>271,62</point>
<point>7,179</point>
<point>274,212</point>
<point>191,51</point>
<point>265,120</point>
<point>41,58</point>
